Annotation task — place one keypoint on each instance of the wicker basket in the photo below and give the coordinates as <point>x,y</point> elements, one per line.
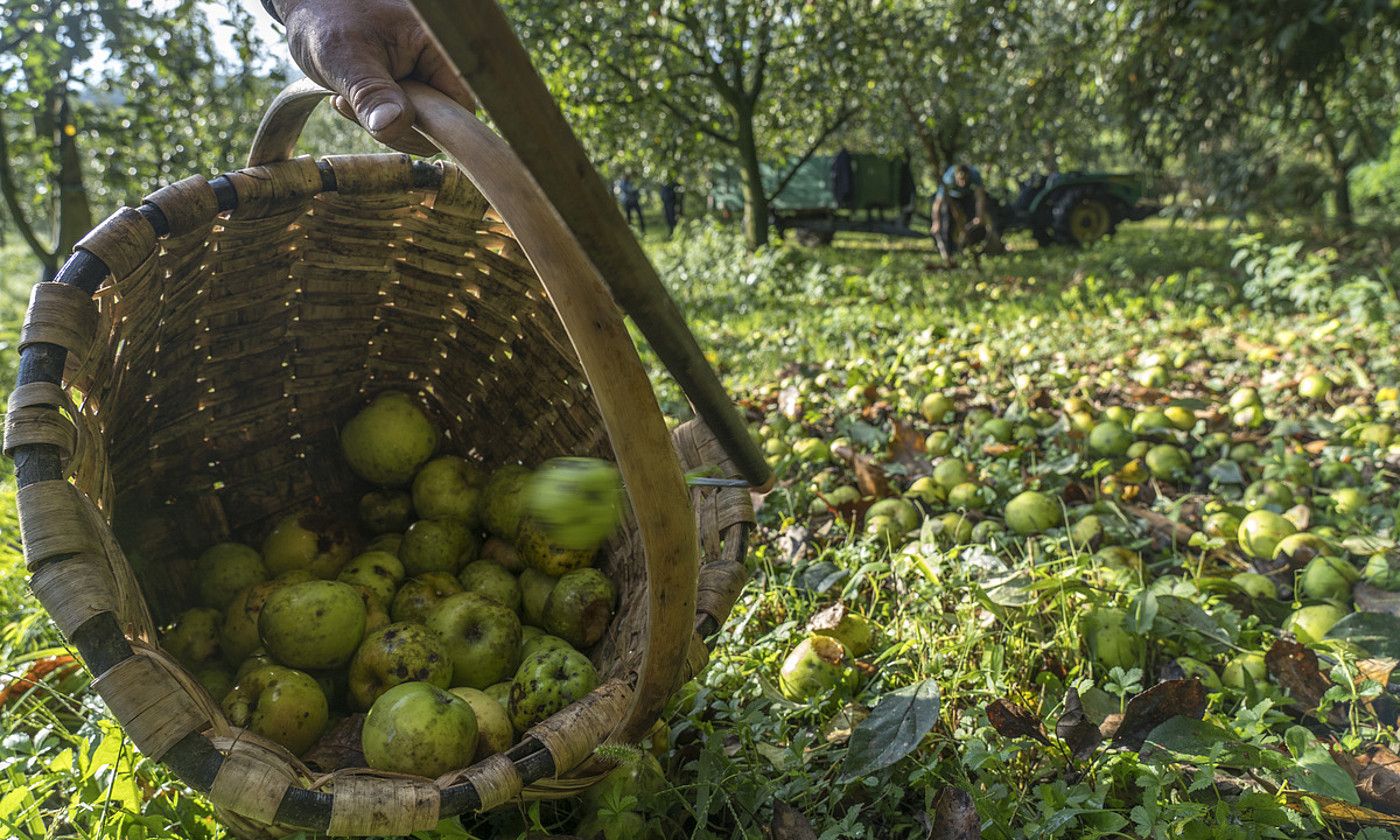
<point>191,364</point>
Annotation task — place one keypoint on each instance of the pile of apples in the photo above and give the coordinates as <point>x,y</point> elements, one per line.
<point>462,620</point>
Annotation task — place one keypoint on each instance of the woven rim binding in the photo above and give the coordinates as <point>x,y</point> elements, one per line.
<point>83,579</point>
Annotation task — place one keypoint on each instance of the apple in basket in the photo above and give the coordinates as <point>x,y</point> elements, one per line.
<point>396,654</point>
<point>420,729</point>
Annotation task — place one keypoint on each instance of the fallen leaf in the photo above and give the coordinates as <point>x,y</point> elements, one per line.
<point>1378,669</point>
<point>838,729</point>
<point>829,618</point>
<point>907,448</point>
<point>790,824</point>
<point>339,747</point>
<point>1110,724</point>
<point>1153,707</point>
<point>1378,634</point>
<point>1075,729</point>
<point>792,545</point>
<point>1014,721</point>
<point>37,671</point>
<point>1378,779</point>
<point>1373,599</point>
<point>955,816</point>
<point>996,450</point>
<point>895,727</point>
<point>870,478</point>
<point>1338,810</point>
<point>1295,668</point>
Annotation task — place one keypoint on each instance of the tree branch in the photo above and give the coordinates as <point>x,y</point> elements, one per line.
<point>840,120</point>
<point>11,194</point>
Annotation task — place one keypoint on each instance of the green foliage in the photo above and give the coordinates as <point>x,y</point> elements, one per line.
<point>1285,278</point>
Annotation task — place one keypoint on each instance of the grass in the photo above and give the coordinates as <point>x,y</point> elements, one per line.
<point>841,345</point>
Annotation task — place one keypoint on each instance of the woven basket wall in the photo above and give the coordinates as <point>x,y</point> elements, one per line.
<point>236,325</point>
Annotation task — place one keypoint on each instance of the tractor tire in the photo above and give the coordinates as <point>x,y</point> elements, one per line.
<point>1082,216</point>
<point>808,238</point>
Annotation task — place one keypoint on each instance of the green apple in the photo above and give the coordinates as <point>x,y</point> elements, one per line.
<point>376,609</point>
<point>1383,572</point>
<point>1109,642</point>
<point>1348,500</point>
<point>1314,386</point>
<point>482,638</point>
<point>419,729</point>
<point>936,407</point>
<point>1222,525</point>
<point>1268,493</point>
<point>388,543</point>
<point>503,503</point>
<point>537,552</point>
<point>1251,663</point>
<point>1261,531</point>
<point>194,637</point>
<point>1328,579</point>
<point>378,571</point>
<point>1255,585</point>
<point>1300,549</point>
<point>417,597</point>
<point>938,443</point>
<point>449,487</point>
<point>951,472</point>
<point>1312,622</point>
<point>388,440</point>
<point>533,639</point>
<point>1201,671</point>
<point>438,545</point>
<point>1245,397</point>
<point>502,553</point>
<point>535,587</point>
<point>500,692</point>
<point>226,569</point>
<point>957,529</point>
<point>580,607</point>
<point>314,541</point>
<point>1168,463</point>
<point>1031,513</point>
<point>257,659</point>
<point>818,668</point>
<point>494,732</point>
<point>386,511</point>
<point>575,502</point>
<point>491,580</point>
<point>547,682</point>
<point>1109,439</point>
<point>216,680</point>
<point>811,450</point>
<point>966,496</point>
<point>1181,417</point>
<point>1088,531</point>
<point>280,704</point>
<point>394,654</point>
<point>313,625</point>
<point>850,629</point>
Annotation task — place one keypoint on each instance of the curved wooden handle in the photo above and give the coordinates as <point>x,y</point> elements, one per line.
<point>642,445</point>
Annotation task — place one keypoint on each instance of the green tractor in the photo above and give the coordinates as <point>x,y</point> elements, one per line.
<point>1075,208</point>
<point>874,194</point>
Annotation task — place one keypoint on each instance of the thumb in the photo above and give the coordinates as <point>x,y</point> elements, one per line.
<point>380,105</point>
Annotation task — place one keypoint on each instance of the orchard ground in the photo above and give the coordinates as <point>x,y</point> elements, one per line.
<point>990,687</point>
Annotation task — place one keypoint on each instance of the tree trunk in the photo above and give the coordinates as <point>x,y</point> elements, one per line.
<point>1341,194</point>
<point>751,178</point>
<point>74,211</point>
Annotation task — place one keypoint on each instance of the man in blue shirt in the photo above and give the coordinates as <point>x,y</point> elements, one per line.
<point>961,213</point>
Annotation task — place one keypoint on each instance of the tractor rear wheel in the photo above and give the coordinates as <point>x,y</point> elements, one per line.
<point>1083,216</point>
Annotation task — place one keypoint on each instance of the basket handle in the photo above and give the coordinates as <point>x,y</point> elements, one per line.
<point>626,400</point>
<point>496,68</point>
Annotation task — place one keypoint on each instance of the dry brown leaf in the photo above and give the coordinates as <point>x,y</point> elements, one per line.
<point>1076,730</point>
<point>1015,721</point>
<point>339,747</point>
<point>1155,706</point>
<point>1378,779</point>
<point>1295,668</point>
<point>955,816</point>
<point>1339,811</point>
<point>790,824</point>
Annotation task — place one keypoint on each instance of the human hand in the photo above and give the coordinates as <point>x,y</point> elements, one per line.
<point>362,50</point>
